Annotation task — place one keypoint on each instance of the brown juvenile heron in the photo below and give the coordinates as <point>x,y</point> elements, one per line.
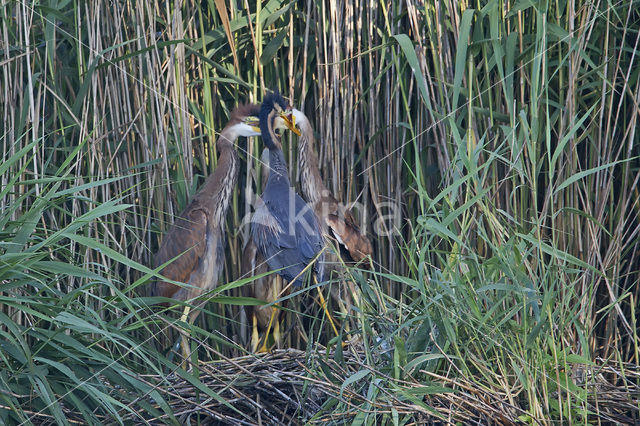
<point>335,219</point>
<point>332,215</point>
<point>194,245</point>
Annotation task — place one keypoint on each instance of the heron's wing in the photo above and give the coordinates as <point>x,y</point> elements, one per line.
<point>309,241</point>
<point>248,266</point>
<point>348,234</point>
<point>270,225</point>
<point>286,246</point>
<point>342,225</point>
<point>272,242</point>
<point>349,220</point>
<point>265,288</point>
<point>186,240</point>
<point>253,264</point>
<point>309,236</point>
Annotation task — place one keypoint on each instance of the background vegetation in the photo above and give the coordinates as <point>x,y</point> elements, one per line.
<point>492,145</point>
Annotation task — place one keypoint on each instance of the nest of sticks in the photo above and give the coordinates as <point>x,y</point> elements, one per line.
<point>296,387</point>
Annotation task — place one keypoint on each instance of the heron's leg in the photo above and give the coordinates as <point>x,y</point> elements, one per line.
<point>264,348</point>
<point>255,337</point>
<point>276,333</point>
<point>343,310</point>
<point>184,338</point>
<point>354,291</point>
<point>350,291</point>
<point>276,293</point>
<point>323,303</point>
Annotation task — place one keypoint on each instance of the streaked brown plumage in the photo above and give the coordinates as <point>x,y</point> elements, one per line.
<point>335,219</point>
<point>196,240</point>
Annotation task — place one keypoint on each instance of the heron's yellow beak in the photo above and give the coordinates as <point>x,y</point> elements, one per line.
<point>253,122</point>
<point>290,122</point>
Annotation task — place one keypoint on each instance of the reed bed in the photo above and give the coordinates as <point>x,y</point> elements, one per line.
<point>290,386</point>
<point>490,149</point>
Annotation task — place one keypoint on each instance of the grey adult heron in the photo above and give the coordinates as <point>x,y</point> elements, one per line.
<point>268,288</point>
<point>284,227</point>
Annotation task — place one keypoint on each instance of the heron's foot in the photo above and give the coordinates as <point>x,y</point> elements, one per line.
<point>276,334</point>
<point>255,339</point>
<point>184,341</point>
<point>186,352</point>
<point>255,336</point>
<point>263,349</point>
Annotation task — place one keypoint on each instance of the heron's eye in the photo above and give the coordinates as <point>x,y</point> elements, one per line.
<point>278,132</point>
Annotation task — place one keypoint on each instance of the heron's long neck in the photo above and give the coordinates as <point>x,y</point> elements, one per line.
<point>218,187</point>
<point>312,186</point>
<point>278,173</point>
<point>266,129</point>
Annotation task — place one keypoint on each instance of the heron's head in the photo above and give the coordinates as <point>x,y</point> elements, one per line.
<point>275,115</point>
<point>244,120</point>
<point>298,117</point>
